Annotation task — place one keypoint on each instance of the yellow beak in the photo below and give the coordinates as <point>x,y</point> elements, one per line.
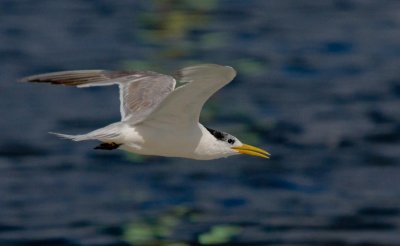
<point>251,150</point>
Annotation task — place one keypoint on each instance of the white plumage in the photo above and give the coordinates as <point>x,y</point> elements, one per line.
<point>157,118</point>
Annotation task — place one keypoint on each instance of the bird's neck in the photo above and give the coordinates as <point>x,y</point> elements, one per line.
<point>210,147</point>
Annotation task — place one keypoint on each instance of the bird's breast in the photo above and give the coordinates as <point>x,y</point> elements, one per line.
<point>165,141</point>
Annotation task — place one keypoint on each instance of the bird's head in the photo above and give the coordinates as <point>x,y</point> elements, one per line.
<point>233,146</point>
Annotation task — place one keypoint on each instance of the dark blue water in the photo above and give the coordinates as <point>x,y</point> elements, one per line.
<point>318,86</point>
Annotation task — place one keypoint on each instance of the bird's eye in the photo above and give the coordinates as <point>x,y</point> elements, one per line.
<point>231,141</point>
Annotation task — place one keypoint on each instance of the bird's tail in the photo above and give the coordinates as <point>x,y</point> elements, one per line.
<point>105,134</point>
<point>81,137</point>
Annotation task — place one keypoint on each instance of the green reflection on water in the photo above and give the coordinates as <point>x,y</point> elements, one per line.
<point>158,230</point>
<point>219,234</point>
<point>152,231</point>
<point>165,28</point>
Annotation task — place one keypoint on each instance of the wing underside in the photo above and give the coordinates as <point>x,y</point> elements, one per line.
<point>140,91</point>
<point>147,95</point>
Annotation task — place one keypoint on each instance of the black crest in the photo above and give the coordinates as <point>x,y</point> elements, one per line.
<point>218,135</point>
<point>222,136</point>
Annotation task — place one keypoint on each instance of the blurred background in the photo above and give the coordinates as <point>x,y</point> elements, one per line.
<point>318,86</point>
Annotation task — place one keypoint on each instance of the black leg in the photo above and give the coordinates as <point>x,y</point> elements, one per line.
<point>108,146</point>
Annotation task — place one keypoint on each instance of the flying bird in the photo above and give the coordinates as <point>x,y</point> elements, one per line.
<point>158,117</point>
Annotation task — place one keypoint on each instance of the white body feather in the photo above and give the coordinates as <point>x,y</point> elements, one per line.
<point>152,139</point>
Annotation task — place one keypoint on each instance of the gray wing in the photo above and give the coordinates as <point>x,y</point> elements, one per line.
<point>184,104</point>
<point>140,91</point>
<point>142,96</point>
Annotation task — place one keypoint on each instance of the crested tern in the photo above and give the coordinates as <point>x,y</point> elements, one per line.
<point>158,117</point>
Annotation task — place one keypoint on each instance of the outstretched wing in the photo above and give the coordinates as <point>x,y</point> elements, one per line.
<point>140,91</point>
<point>183,105</point>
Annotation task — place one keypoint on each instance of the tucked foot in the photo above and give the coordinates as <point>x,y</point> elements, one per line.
<point>108,146</point>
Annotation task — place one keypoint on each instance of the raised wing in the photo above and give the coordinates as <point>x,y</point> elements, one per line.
<point>140,91</point>
<point>140,97</point>
<point>184,104</point>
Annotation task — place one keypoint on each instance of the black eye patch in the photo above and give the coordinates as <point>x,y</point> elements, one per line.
<point>231,141</point>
